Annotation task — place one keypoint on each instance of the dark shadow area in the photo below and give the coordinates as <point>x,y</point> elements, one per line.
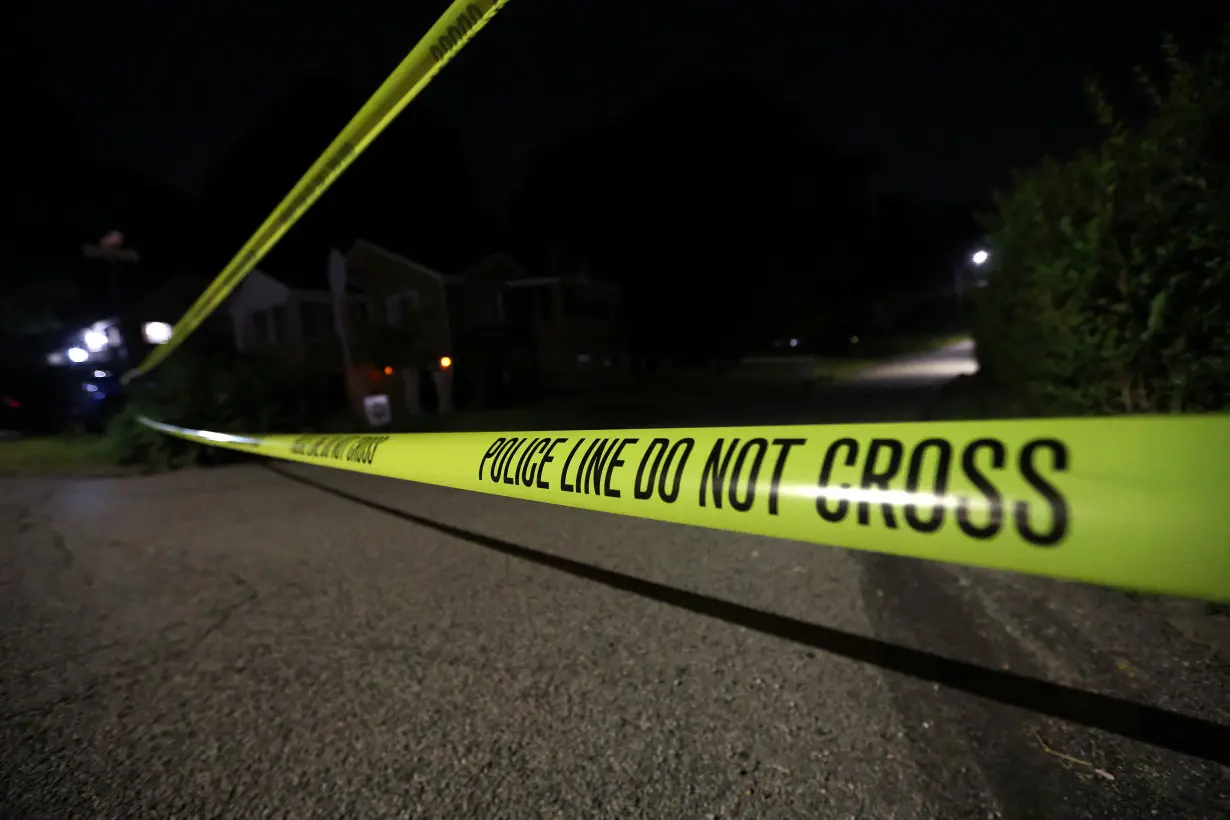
<point>1146,724</point>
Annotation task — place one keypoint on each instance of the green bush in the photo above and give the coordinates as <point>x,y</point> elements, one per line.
<point>222,392</point>
<point>1111,272</point>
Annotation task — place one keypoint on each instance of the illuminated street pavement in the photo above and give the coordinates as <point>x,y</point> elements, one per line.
<point>932,367</point>
<point>237,643</point>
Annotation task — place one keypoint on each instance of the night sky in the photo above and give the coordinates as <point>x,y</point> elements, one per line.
<point>950,95</point>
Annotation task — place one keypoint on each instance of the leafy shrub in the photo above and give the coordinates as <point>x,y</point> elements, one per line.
<point>223,392</point>
<point>1111,281</point>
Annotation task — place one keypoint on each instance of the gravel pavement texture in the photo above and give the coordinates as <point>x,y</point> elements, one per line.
<point>236,643</point>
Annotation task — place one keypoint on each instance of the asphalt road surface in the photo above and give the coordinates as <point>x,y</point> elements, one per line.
<point>924,369</point>
<point>240,642</point>
<point>898,390</point>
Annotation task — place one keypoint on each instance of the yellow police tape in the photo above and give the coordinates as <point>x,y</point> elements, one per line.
<point>461,22</point>
<point>1137,503</point>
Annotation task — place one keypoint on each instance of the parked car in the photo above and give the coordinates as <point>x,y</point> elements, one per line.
<point>50,400</point>
<point>20,402</point>
<point>13,420</point>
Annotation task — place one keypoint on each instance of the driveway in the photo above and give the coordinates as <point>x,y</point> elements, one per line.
<point>243,643</point>
<point>933,368</point>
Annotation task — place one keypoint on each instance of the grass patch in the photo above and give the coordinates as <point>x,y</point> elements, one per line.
<point>58,453</point>
<point>973,398</point>
<point>787,373</point>
<point>581,413</point>
<point>900,346</point>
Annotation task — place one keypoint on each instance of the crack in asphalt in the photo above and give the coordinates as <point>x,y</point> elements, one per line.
<point>159,656</point>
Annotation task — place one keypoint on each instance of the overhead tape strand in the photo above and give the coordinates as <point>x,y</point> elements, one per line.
<point>451,32</point>
<point>1136,503</point>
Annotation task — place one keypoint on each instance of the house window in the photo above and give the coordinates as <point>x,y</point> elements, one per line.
<point>546,303</point>
<point>583,302</point>
<point>520,305</point>
<point>317,320</point>
<point>529,303</point>
<point>359,314</point>
<point>270,325</point>
<point>486,308</point>
<point>262,321</point>
<point>402,307</point>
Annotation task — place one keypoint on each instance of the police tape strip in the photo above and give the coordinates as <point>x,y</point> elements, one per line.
<point>459,24</point>
<point>1137,503</point>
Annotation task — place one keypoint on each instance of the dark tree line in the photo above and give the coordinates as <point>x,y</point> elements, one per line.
<point>412,190</point>
<point>727,221</point>
<point>66,197</point>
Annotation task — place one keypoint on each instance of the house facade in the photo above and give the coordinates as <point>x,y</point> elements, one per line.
<point>572,325</point>
<point>398,293</point>
<point>293,325</point>
<point>483,335</point>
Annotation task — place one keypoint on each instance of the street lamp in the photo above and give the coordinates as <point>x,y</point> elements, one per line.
<point>961,274</point>
<point>156,333</point>
<point>95,340</point>
<point>111,249</point>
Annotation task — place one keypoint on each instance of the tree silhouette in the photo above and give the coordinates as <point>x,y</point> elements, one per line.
<point>68,197</point>
<point>725,218</point>
<point>412,190</point>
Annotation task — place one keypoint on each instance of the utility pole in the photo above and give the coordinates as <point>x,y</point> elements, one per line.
<point>111,250</point>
